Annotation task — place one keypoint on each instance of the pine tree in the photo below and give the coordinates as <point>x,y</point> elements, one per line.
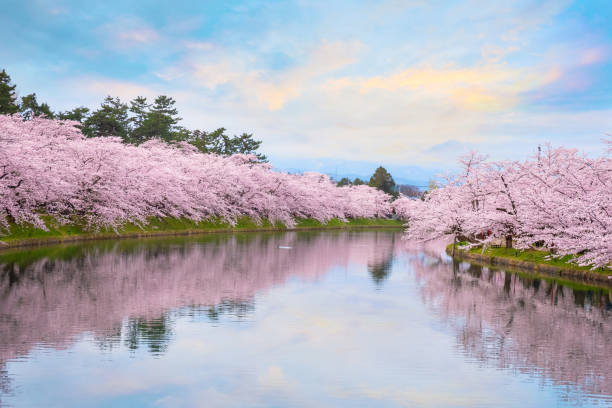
<point>30,108</point>
<point>8,98</point>
<point>79,114</point>
<point>219,143</point>
<point>382,180</point>
<point>110,120</point>
<point>156,121</point>
<point>139,107</point>
<point>344,181</point>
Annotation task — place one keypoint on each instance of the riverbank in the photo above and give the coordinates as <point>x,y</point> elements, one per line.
<point>532,261</point>
<point>22,236</point>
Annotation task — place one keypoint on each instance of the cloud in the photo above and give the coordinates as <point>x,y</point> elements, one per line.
<point>211,67</point>
<point>125,34</point>
<point>593,56</point>
<point>137,36</point>
<point>495,53</point>
<point>482,87</point>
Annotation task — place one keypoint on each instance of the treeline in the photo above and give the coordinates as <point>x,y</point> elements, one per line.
<point>381,179</point>
<point>49,168</point>
<point>134,122</point>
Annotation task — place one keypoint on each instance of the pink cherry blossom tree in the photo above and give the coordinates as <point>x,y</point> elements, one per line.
<point>48,167</point>
<point>558,199</point>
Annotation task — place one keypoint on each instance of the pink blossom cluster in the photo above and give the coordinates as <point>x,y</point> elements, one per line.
<point>558,199</point>
<point>48,167</point>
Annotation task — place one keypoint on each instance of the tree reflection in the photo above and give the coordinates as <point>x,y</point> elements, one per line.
<point>379,271</point>
<point>536,325</point>
<point>238,309</point>
<point>130,292</point>
<point>155,333</point>
<point>380,265</point>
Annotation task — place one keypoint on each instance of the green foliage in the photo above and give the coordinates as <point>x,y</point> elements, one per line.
<point>344,181</point>
<point>111,119</point>
<point>139,107</point>
<point>155,121</point>
<point>8,99</point>
<point>30,108</point>
<point>79,114</point>
<point>219,143</point>
<point>382,180</point>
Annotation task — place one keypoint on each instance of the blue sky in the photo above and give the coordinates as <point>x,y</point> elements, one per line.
<point>336,86</point>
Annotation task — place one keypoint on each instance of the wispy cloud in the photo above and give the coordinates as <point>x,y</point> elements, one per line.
<point>211,67</point>
<point>128,33</point>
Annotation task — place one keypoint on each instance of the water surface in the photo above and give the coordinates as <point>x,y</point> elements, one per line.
<point>304,319</point>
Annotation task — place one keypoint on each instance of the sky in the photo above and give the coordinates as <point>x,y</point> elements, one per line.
<point>338,87</point>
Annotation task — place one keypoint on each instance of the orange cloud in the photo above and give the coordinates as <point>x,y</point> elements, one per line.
<point>487,87</point>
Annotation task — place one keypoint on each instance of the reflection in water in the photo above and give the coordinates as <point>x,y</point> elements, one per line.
<point>299,304</point>
<point>538,326</point>
<point>156,333</point>
<point>50,295</point>
<point>380,265</point>
<point>380,270</point>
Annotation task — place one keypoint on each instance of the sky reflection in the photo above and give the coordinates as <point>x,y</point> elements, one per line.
<point>340,319</point>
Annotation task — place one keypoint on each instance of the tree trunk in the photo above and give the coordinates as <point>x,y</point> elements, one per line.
<point>509,241</point>
<point>454,243</point>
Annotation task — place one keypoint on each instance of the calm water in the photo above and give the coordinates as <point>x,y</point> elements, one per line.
<point>326,319</point>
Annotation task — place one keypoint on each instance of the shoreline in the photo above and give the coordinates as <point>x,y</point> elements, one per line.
<point>533,267</point>
<point>100,236</point>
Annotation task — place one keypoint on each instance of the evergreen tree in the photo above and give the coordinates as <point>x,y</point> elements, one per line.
<point>110,120</point>
<point>245,144</point>
<point>382,180</point>
<point>160,121</point>
<point>344,181</point>
<point>79,114</point>
<point>358,182</point>
<point>30,108</point>
<point>139,107</point>
<point>8,98</point>
<point>219,143</point>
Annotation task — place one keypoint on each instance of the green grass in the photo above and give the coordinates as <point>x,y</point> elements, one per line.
<point>534,256</point>
<point>25,233</point>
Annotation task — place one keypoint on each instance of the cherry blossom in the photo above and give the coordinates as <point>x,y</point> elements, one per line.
<point>48,167</point>
<point>559,200</point>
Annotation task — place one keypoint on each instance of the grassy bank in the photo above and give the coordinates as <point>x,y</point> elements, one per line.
<point>532,260</point>
<point>24,235</point>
